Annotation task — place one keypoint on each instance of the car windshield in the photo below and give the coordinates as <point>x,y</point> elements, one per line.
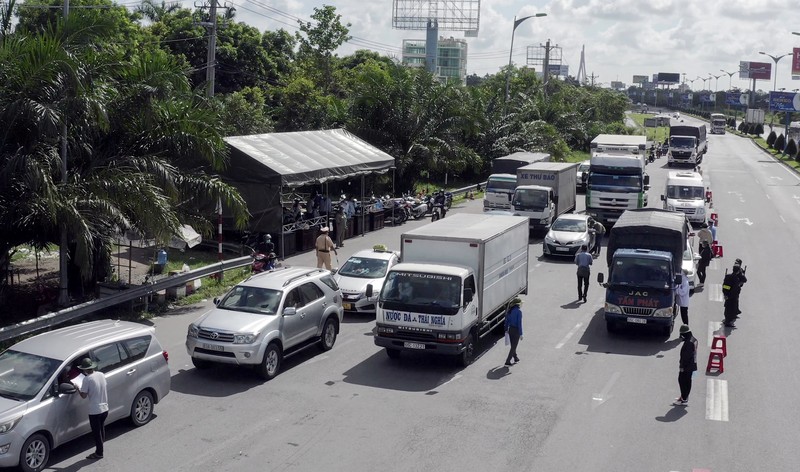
<point>252,299</point>
<point>652,273</point>
<point>687,254</point>
<point>364,268</point>
<point>680,141</point>
<point>22,375</point>
<point>584,167</point>
<point>685,192</point>
<point>501,185</point>
<point>599,180</point>
<point>573,226</point>
<point>530,199</point>
<point>426,293</point>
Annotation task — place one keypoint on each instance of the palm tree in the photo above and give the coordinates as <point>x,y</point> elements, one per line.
<point>156,12</point>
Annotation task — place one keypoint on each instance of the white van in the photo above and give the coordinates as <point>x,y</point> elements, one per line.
<point>685,192</point>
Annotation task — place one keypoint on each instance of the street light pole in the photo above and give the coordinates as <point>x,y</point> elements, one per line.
<point>517,22</point>
<point>730,78</point>
<point>776,59</point>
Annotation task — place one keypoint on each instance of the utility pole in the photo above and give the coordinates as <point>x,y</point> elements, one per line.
<point>592,77</point>
<point>211,57</point>
<point>63,244</point>
<point>546,61</point>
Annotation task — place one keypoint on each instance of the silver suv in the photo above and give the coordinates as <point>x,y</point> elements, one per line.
<point>38,406</point>
<point>268,317</point>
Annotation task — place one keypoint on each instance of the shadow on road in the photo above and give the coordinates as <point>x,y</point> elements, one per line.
<point>630,341</point>
<point>674,414</point>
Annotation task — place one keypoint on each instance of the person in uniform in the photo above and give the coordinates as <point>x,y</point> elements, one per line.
<point>731,289</point>
<point>324,245</point>
<point>686,366</point>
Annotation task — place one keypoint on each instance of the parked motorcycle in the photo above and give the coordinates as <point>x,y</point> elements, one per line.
<point>420,207</point>
<point>394,211</point>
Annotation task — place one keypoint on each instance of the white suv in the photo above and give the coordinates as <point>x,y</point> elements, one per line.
<point>267,317</point>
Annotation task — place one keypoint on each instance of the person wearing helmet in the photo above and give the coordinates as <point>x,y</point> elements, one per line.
<point>731,289</point>
<point>597,231</point>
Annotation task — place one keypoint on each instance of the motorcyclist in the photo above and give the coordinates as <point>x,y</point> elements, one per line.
<point>439,201</point>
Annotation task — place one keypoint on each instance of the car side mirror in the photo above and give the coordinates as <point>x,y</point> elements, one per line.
<point>647,180</point>
<point>468,295</point>
<point>334,271</point>
<point>600,277</point>
<point>663,198</point>
<point>67,388</point>
<point>216,300</point>
<point>369,291</point>
<point>289,311</point>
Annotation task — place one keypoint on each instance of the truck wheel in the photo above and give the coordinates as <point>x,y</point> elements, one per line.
<point>393,353</point>
<point>271,363</point>
<point>466,357</point>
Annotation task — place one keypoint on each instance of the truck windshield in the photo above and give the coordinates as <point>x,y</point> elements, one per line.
<point>681,141</point>
<point>684,192</point>
<point>719,121</point>
<point>650,273</point>
<point>530,199</point>
<point>610,180</point>
<point>501,185</point>
<point>424,293</point>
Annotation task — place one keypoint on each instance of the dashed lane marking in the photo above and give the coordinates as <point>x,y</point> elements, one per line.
<point>714,327</point>
<point>715,293</point>
<point>782,218</point>
<point>717,400</point>
<point>569,335</point>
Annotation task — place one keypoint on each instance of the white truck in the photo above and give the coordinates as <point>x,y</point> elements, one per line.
<point>617,179</point>
<point>453,287</point>
<point>718,123</point>
<point>544,191</point>
<point>501,184</point>
<point>685,193</point>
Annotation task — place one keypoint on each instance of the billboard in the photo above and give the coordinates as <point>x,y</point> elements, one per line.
<point>736,98</point>
<point>755,70</point>
<point>668,78</point>
<point>558,69</point>
<point>617,85</point>
<point>638,79</point>
<point>784,101</point>
<point>796,63</point>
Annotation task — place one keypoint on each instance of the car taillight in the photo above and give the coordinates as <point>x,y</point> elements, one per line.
<point>166,355</point>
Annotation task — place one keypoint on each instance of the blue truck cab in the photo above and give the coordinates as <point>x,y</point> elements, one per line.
<point>645,254</point>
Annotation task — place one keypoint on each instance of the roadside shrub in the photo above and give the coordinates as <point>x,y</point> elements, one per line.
<point>771,139</point>
<point>791,148</point>
<point>780,143</point>
<point>759,129</point>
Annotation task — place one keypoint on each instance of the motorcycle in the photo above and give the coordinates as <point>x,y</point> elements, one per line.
<point>420,208</point>
<point>438,212</point>
<point>394,211</point>
<point>263,262</point>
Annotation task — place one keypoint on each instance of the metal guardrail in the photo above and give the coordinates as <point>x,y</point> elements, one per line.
<point>134,292</point>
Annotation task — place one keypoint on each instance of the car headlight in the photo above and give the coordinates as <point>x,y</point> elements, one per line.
<point>663,312</point>
<point>670,207</point>
<point>611,308</point>
<point>249,338</point>
<point>701,211</point>
<point>193,331</point>
<point>549,240</point>
<point>543,221</point>
<point>9,425</point>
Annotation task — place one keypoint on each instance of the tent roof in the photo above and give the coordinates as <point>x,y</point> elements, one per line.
<point>305,157</point>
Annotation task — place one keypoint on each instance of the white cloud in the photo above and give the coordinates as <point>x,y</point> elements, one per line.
<point>622,37</point>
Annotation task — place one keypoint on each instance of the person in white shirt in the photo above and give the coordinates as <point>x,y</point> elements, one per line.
<point>682,297</point>
<point>93,386</point>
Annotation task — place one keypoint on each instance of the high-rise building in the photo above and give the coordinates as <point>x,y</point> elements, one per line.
<point>451,61</point>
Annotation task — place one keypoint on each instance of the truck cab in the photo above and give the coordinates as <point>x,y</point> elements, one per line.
<point>684,192</point>
<point>616,182</point>
<point>683,150</point>
<point>718,123</point>
<point>499,190</point>
<point>536,203</point>
<point>640,289</point>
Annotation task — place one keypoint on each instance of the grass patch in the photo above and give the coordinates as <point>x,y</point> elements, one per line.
<point>788,160</point>
<point>658,134</point>
<point>25,251</point>
<point>577,156</point>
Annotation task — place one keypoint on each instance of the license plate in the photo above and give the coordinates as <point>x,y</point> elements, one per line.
<point>637,320</point>
<point>562,249</point>
<point>347,306</point>
<point>213,347</point>
<point>414,345</point>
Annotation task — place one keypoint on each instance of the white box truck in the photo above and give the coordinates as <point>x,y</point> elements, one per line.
<point>544,191</point>
<point>501,184</point>
<point>453,286</point>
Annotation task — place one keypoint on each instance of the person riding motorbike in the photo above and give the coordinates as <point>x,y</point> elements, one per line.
<point>439,201</point>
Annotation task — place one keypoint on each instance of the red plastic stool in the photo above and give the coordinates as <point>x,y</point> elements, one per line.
<point>715,218</point>
<point>715,361</point>
<point>716,249</point>
<point>719,342</point>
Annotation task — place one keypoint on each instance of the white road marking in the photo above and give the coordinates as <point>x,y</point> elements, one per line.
<point>602,397</point>
<point>768,197</point>
<point>569,335</point>
<point>534,267</point>
<point>717,400</point>
<point>713,265</point>
<point>714,327</point>
<point>743,220</point>
<point>775,177</point>
<point>715,293</point>
<point>782,218</point>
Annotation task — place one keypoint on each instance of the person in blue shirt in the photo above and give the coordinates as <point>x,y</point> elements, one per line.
<point>514,329</point>
<point>583,260</point>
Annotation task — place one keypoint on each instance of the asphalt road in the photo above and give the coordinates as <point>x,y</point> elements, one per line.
<point>579,400</point>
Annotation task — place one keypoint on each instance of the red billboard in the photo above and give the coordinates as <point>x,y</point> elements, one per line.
<point>796,61</point>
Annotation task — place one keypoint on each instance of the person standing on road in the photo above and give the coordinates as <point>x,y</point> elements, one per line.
<point>686,366</point>
<point>705,234</point>
<point>341,226</point>
<point>682,297</point>
<point>713,228</point>
<point>324,246</point>
<point>705,259</point>
<point>584,261</point>
<point>514,329</point>
<point>731,289</point>
<point>597,236</point>
<point>93,386</point>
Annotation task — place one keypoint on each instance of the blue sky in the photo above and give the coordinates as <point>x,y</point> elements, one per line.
<point>621,37</point>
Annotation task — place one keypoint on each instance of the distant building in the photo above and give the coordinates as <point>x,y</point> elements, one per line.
<point>452,57</point>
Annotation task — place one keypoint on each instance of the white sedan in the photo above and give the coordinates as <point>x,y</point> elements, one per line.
<point>566,236</point>
<point>689,265</point>
<point>365,267</point>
